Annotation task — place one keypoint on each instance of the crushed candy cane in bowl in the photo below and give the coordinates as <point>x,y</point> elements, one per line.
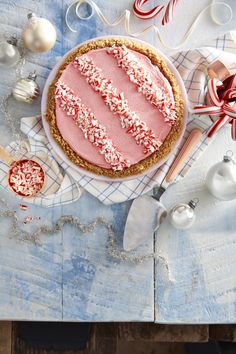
<point>26,178</point>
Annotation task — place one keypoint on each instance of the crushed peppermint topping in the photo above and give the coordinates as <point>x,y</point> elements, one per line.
<point>157,95</point>
<point>117,104</point>
<point>92,130</point>
<point>26,177</point>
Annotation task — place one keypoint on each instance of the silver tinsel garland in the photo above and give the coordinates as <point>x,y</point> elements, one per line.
<point>112,247</point>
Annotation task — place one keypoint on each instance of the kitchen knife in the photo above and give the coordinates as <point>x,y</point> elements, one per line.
<point>147,212</point>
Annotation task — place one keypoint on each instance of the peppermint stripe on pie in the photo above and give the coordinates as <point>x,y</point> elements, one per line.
<point>117,104</point>
<point>92,130</point>
<point>157,95</point>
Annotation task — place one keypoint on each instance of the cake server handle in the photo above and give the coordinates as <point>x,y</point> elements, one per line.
<point>5,155</point>
<point>186,150</point>
<point>179,161</point>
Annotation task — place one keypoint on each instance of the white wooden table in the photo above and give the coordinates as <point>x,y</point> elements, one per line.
<point>69,276</point>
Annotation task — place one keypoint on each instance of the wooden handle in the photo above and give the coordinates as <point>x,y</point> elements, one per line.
<point>189,145</point>
<point>5,156</point>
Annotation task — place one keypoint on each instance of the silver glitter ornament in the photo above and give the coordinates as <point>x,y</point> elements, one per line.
<point>221,178</point>
<point>26,89</point>
<point>182,216</point>
<point>39,35</point>
<point>9,53</point>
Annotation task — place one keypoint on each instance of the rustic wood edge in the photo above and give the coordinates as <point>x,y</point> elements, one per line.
<point>6,337</point>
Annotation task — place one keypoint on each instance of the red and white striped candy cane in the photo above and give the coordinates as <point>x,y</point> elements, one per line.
<point>233,129</point>
<point>229,94</point>
<point>213,84</point>
<point>206,110</point>
<point>219,123</point>
<point>230,110</point>
<point>168,16</point>
<point>145,15</point>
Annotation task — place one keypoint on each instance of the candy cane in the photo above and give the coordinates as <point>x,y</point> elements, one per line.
<point>220,123</point>
<point>145,15</point>
<point>232,81</point>
<point>233,129</point>
<point>213,84</point>
<point>229,94</point>
<point>206,110</point>
<point>230,110</point>
<point>168,16</point>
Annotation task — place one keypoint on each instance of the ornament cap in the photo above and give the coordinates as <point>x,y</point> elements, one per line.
<point>193,203</point>
<point>32,76</point>
<point>30,15</point>
<point>228,156</point>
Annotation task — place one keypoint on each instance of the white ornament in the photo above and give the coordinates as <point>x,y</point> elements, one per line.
<point>182,216</point>
<point>9,53</point>
<point>221,179</point>
<point>39,35</point>
<point>26,89</point>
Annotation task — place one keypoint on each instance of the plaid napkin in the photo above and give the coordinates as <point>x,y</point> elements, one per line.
<point>192,66</point>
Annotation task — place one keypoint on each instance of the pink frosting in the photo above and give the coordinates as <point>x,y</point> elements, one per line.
<point>137,102</point>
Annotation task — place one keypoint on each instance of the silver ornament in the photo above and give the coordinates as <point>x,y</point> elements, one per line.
<point>26,89</point>
<point>182,216</point>
<point>9,53</point>
<point>221,178</point>
<point>39,35</point>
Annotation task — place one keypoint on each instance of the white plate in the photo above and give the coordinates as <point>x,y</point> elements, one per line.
<point>57,147</point>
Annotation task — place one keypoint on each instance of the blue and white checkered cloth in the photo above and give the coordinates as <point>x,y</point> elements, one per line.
<point>192,66</point>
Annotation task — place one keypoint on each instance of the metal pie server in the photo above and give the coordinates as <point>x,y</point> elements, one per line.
<point>147,212</point>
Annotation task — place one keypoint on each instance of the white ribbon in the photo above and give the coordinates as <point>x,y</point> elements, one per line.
<point>125,17</point>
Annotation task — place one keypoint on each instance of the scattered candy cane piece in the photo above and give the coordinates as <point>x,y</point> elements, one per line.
<point>28,219</point>
<point>220,123</point>
<point>23,207</point>
<point>145,15</point>
<point>168,16</point>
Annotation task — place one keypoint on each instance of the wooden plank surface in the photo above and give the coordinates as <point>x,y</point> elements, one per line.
<point>69,276</point>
